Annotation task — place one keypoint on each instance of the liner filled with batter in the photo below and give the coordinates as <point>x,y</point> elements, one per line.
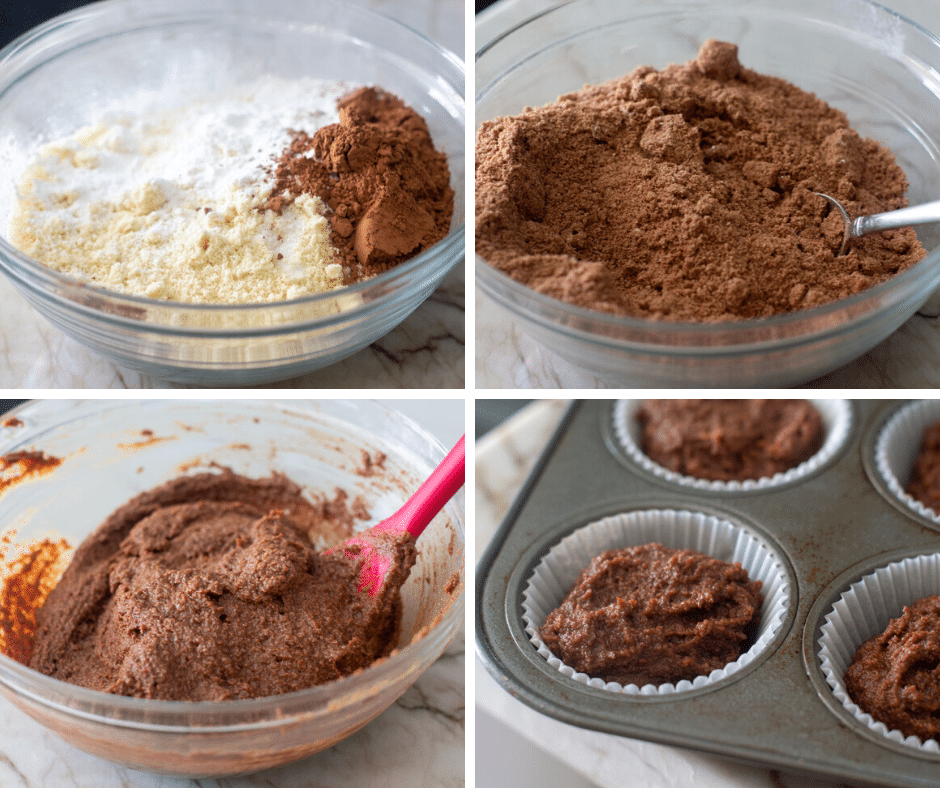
<point>836,420</point>
<point>897,450</point>
<point>559,569</point>
<point>889,690</point>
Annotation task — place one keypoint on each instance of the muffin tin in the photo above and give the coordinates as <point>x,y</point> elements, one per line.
<point>828,529</point>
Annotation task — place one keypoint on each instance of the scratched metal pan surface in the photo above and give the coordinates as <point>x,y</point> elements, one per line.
<point>828,529</point>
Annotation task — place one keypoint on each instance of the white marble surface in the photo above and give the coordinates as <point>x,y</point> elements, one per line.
<point>425,351</point>
<point>505,357</point>
<point>502,461</point>
<point>418,740</point>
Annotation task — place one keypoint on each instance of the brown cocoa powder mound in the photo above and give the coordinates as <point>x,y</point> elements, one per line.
<point>686,194</point>
<point>387,188</point>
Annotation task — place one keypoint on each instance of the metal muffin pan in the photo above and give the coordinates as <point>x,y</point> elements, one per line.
<point>829,529</point>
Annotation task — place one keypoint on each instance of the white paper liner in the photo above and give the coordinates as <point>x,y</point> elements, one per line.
<point>864,611</point>
<point>837,421</point>
<point>559,569</point>
<point>897,448</point>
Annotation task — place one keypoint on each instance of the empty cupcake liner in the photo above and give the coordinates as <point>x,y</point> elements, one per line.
<point>862,612</point>
<point>837,421</point>
<point>897,447</point>
<point>558,571</point>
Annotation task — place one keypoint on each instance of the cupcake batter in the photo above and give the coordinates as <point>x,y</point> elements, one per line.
<point>924,485</point>
<point>651,615</point>
<point>730,439</point>
<point>209,587</point>
<point>893,676</point>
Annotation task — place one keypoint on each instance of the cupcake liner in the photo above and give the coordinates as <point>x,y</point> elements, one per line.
<point>559,569</point>
<point>862,612</point>
<point>837,421</point>
<point>897,447</point>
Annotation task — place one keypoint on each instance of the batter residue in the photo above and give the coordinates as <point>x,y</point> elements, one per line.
<point>651,615</point>
<point>209,587</point>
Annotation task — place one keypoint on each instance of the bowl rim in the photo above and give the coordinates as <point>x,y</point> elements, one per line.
<point>659,4</point>
<point>204,716</point>
<point>42,278</point>
<point>555,314</point>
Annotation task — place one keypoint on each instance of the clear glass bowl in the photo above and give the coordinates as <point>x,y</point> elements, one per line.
<point>58,76</point>
<point>882,70</point>
<point>107,459</point>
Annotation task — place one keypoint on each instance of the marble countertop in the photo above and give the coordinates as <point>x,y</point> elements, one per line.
<point>508,358</point>
<point>503,459</point>
<point>418,740</point>
<point>425,351</point>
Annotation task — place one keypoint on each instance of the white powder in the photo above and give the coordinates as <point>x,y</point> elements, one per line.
<point>163,204</point>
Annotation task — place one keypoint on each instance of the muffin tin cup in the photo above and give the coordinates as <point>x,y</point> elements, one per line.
<point>837,423</point>
<point>897,447</point>
<point>558,571</point>
<point>863,611</point>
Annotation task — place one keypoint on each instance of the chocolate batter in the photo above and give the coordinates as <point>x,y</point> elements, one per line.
<point>651,615</point>
<point>924,485</point>
<point>730,439</point>
<point>209,588</point>
<point>893,676</point>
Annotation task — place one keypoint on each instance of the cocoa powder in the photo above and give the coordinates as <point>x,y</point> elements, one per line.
<point>387,187</point>
<point>686,194</point>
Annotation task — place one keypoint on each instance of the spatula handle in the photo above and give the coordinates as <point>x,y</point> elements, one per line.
<point>436,491</point>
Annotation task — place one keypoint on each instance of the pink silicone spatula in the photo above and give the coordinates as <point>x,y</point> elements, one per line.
<point>371,546</point>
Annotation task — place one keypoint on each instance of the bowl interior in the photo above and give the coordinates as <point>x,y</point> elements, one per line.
<point>881,70</point>
<point>90,63</point>
<point>102,58</point>
<point>107,458</point>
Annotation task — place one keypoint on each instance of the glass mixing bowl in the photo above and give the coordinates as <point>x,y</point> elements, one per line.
<point>108,458</point>
<point>882,70</point>
<point>56,78</point>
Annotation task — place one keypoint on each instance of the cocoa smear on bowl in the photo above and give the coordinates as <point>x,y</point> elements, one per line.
<point>28,573</point>
<point>24,465</point>
<point>687,194</point>
<point>387,187</point>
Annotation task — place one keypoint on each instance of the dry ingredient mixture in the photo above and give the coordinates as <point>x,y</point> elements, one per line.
<point>924,484</point>
<point>686,194</point>
<point>210,587</point>
<point>651,615</point>
<point>730,439</point>
<point>893,676</point>
<point>279,190</point>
